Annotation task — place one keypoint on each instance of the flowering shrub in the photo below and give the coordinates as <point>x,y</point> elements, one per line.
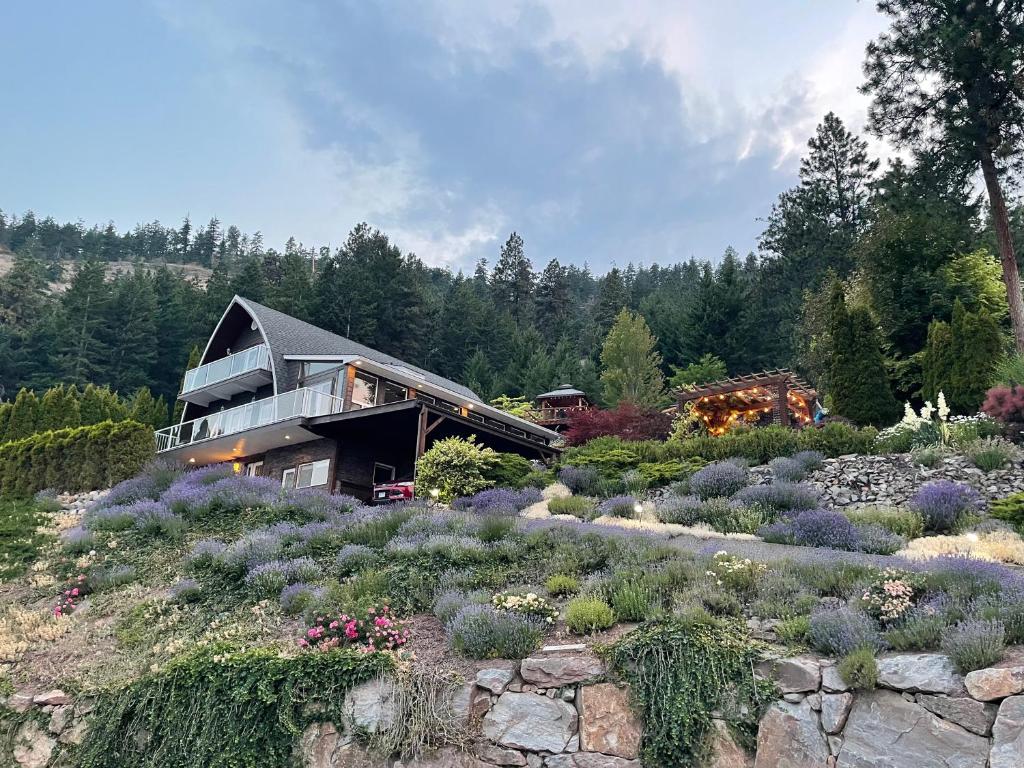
<point>809,460</point>
<point>974,644</point>
<point>838,632</point>
<point>69,599</point>
<point>483,632</point>
<point>155,519</point>
<point>77,540</point>
<point>376,630</point>
<point>618,506</point>
<point>499,500</point>
<point>891,594</point>
<point>354,557</point>
<point>944,504</point>
<point>831,530</point>
<point>205,553</point>
<point>588,614</point>
<point>723,478</point>
<point>526,603</point>
<point>991,453</point>
<point>582,480</point>
<point>116,518</point>
<point>682,510</point>
<point>296,598</point>
<point>739,574</point>
<point>928,427</point>
<point>778,497</point>
<point>1005,404</point>
<point>185,591</point>
<point>787,469</point>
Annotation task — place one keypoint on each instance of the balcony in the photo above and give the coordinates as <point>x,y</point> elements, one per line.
<point>250,428</point>
<point>244,371</point>
<point>560,415</point>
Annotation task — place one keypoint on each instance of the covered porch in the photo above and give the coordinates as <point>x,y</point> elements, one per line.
<point>770,397</point>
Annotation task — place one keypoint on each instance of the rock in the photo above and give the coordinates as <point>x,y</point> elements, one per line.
<point>796,675</point>
<point>814,700</point>
<point>1008,735</point>
<point>788,737</point>
<point>885,731</point>
<point>835,744</point>
<point>835,707</point>
<point>498,755</point>
<point>556,671</point>
<point>973,715</point>
<point>495,679</point>
<point>75,734</point>
<point>607,722</point>
<point>589,760</point>
<point>371,706</point>
<point>460,702</point>
<point>724,751</point>
<point>534,723</point>
<point>32,747</point>
<point>447,757</point>
<point>55,698</point>
<point>19,702</point>
<point>793,698</point>
<point>832,681</point>
<point>555,491</point>
<point>995,683</point>
<point>60,718</point>
<point>924,672</point>
<point>321,746</point>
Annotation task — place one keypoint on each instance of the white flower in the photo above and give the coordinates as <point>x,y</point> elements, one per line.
<point>927,410</point>
<point>943,408</point>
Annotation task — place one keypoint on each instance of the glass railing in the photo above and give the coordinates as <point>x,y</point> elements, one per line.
<point>288,405</point>
<point>252,359</point>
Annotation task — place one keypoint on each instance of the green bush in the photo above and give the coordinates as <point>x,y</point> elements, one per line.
<point>991,453</point>
<point>77,459</point>
<point>859,669</point>
<point>588,614</point>
<point>538,478</point>
<point>794,630</point>
<point>510,471</point>
<point>902,522</point>
<point>664,472</point>
<point>20,539</point>
<point>1010,508</point>
<point>561,584</point>
<point>455,467</point>
<point>578,506</point>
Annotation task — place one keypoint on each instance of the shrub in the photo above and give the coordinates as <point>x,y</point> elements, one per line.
<point>634,482</point>
<point>837,439</point>
<point>111,578</point>
<point>928,455</point>
<point>921,628</point>
<point>539,479</point>
<point>780,595</point>
<point>859,669</point>
<point>449,603</point>
<point>376,629</point>
<point>634,599</point>
<point>527,604</point>
<point>814,528</point>
<point>510,470</point>
<point>154,519</point>
<point>577,506</point>
<point>626,421</point>
<point>297,598</point>
<point>787,469</point>
<point>185,591</point>
<point>75,459</point>
<point>944,504</point>
<point>455,467</point>
<point>618,506</point>
<point>891,594</point>
<point>740,574</point>
<point>354,557</point>
<point>810,460</point>
<point>974,644</point>
<point>841,631</point>
<point>500,500</point>
<point>903,522</point>
<point>583,480</point>
<point>876,540</point>
<point>560,584</point>
<point>116,518</point>
<point>1010,508</point>
<point>778,497</point>
<point>794,630</point>
<point>268,579</point>
<point>482,632</point>
<point>584,615</point>
<point>991,453</point>
<point>77,540</point>
<point>718,480</point>
<point>682,510</point>
<point>1005,404</point>
<point>664,472</point>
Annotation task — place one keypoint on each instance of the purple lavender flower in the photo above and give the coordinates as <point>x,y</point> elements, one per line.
<point>77,540</point>
<point>251,550</point>
<point>155,519</point>
<point>839,631</point>
<point>778,497</point>
<point>119,517</point>
<point>581,480</point>
<point>354,557</point>
<point>501,500</point>
<point>205,553</point>
<point>809,460</point>
<point>787,470</point>
<point>618,506</point>
<point>296,598</point>
<point>185,591</point>
<point>268,578</point>
<point>943,504</point>
<point>683,510</point>
<point>813,528</point>
<point>721,479</point>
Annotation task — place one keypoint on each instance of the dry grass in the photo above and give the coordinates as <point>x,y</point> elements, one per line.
<point>999,547</point>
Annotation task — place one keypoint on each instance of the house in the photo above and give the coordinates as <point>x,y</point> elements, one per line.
<point>555,408</point>
<point>281,398</point>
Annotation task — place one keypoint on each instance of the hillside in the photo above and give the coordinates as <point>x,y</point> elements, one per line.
<point>198,274</point>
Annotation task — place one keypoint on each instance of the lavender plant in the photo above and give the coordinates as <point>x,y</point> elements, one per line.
<point>838,632</point>
<point>720,479</point>
<point>944,504</point>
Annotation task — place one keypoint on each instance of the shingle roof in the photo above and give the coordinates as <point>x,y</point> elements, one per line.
<point>288,335</point>
<point>563,391</point>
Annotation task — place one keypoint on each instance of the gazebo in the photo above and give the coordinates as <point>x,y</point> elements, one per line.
<point>778,397</point>
<point>555,408</point>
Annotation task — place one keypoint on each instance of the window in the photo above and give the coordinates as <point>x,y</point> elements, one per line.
<point>254,469</point>
<point>383,473</point>
<point>308,475</point>
<point>394,393</point>
<point>288,478</point>
<point>364,390</point>
<point>311,369</point>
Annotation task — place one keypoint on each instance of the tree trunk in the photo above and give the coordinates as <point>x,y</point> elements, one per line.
<point>1001,220</point>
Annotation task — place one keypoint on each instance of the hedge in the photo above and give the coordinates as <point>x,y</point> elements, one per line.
<point>75,459</point>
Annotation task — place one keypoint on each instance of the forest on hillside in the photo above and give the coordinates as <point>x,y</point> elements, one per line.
<point>905,241</point>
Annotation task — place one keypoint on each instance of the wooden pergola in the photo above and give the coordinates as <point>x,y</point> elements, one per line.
<point>750,399</point>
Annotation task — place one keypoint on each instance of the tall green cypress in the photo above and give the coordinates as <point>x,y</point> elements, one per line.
<point>72,407</point>
<point>938,360</point>
<point>5,419</point>
<point>93,406</point>
<point>24,419</point>
<point>51,409</point>
<point>859,387</point>
<point>978,344</point>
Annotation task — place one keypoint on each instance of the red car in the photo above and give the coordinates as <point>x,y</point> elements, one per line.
<point>387,493</point>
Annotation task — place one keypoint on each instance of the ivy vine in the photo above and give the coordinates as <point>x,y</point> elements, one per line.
<point>680,672</point>
<point>217,709</point>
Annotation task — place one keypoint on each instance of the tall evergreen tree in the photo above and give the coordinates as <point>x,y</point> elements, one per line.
<point>130,331</point>
<point>82,352</point>
<point>24,418</point>
<point>512,280</point>
<point>631,365</point>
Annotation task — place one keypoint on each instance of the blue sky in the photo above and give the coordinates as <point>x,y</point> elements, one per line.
<point>603,132</point>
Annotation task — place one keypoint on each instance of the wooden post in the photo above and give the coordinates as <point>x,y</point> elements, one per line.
<point>782,404</point>
<point>350,377</point>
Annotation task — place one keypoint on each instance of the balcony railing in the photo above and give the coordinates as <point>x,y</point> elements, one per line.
<point>253,359</point>
<point>287,405</point>
<point>560,414</point>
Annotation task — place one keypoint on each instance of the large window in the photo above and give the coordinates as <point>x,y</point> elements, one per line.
<point>307,475</point>
<point>364,390</point>
<point>311,369</point>
<point>393,393</point>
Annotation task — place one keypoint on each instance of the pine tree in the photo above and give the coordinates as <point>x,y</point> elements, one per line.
<point>552,303</point>
<point>51,409</point>
<point>24,419</point>
<point>5,420</point>
<point>478,375</point>
<point>858,386</point>
<point>194,356</point>
<point>612,298</point>
<point>82,352</point>
<point>292,296</point>
<point>250,282</point>
<point>977,347</point>
<point>631,365</point>
<point>512,280</point>
<point>130,332</point>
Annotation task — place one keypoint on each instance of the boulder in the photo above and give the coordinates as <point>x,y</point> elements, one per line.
<point>607,722</point>
<point>322,746</point>
<point>975,716</point>
<point>724,751</point>
<point>835,708</point>
<point>75,734</point>
<point>556,671</point>
<point>19,702</point>
<point>32,747</point>
<point>832,681</point>
<point>995,683</point>
<point>54,698</point>
<point>884,730</point>
<point>495,679</point>
<point>531,722</point>
<point>796,675</point>
<point>446,757</point>
<point>489,753</point>
<point>371,706</point>
<point>1008,735</point>
<point>788,737</point>
<point>924,672</point>
<point>589,760</point>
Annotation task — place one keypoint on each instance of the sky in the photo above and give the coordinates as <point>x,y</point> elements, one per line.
<point>603,132</point>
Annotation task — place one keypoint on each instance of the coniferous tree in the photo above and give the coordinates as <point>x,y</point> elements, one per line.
<point>937,360</point>
<point>24,418</point>
<point>478,375</point>
<point>631,365</point>
<point>71,407</point>
<point>512,280</point>
<point>131,332</point>
<point>552,304</point>
<point>977,347</point>
<point>82,352</point>
<point>5,420</point>
<point>51,409</point>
